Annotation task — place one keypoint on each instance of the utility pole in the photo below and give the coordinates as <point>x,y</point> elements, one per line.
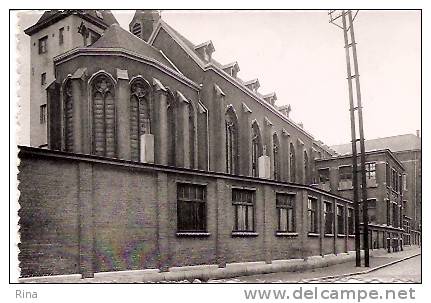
<point>355,107</point>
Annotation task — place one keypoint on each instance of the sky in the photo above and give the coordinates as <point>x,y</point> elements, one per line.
<point>300,56</point>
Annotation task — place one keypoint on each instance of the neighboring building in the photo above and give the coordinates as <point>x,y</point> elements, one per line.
<point>407,149</point>
<point>160,156</point>
<point>55,33</point>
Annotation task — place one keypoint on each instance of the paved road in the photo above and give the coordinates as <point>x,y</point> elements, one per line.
<point>407,271</point>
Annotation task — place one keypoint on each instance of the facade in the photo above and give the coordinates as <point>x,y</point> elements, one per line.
<point>159,156</point>
<point>407,150</point>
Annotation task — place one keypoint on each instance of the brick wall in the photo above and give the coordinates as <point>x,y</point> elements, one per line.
<point>86,214</point>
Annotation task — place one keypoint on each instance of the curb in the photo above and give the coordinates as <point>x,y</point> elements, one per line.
<point>360,272</point>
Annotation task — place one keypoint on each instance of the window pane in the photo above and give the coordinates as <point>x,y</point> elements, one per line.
<point>283,219</point>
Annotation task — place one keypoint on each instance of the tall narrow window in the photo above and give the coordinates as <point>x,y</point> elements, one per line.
<point>306,168</point>
<point>43,79</point>
<point>231,124</point>
<point>172,118</point>
<point>68,116</point>
<point>328,217</point>
<point>312,215</point>
<point>256,149</point>
<point>191,208</point>
<point>276,157</point>
<point>43,45</point>
<point>140,115</point>
<point>292,163</point>
<point>243,202</point>
<point>43,114</point>
<point>370,170</point>
<point>192,131</point>
<point>372,205</point>
<point>103,107</point>
<point>340,220</point>
<point>61,36</point>
<point>350,222</point>
<point>388,175</point>
<point>345,174</point>
<point>285,204</point>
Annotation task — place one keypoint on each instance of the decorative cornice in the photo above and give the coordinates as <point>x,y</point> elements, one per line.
<point>81,51</point>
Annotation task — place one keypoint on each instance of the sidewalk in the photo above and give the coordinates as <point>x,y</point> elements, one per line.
<point>326,273</point>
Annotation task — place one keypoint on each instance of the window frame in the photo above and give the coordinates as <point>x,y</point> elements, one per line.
<point>350,221</point>
<point>325,217</point>
<point>341,227</point>
<point>43,113</point>
<point>43,45</point>
<point>248,205</point>
<point>196,202</point>
<point>61,36</point>
<point>371,173</point>
<point>289,207</point>
<point>312,218</point>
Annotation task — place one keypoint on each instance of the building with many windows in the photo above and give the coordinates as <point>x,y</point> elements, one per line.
<point>159,156</point>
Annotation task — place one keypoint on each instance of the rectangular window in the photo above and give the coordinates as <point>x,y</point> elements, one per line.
<point>43,45</point>
<point>350,222</point>
<point>370,170</point>
<point>43,79</point>
<point>243,202</point>
<point>191,208</point>
<point>43,114</point>
<point>345,174</point>
<point>61,36</point>
<point>400,183</point>
<point>312,215</point>
<point>394,180</point>
<point>328,217</point>
<point>372,205</point>
<point>340,220</point>
<point>404,182</point>
<point>285,204</point>
<point>388,212</point>
<point>323,175</point>
<point>388,175</point>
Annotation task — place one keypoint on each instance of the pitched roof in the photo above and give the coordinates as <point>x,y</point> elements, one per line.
<point>103,18</point>
<point>117,37</point>
<point>393,143</point>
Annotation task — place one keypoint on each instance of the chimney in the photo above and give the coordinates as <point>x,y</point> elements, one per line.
<point>144,22</point>
<point>285,110</point>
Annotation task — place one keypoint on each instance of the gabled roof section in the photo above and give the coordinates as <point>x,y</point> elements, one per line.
<point>117,37</point>
<point>393,143</point>
<point>102,18</point>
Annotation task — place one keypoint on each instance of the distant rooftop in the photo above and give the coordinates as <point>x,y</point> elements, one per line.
<point>393,143</point>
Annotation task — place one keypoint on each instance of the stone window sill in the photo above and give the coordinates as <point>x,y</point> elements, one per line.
<point>341,235</point>
<point>329,235</point>
<point>352,236</point>
<point>313,235</point>
<point>286,234</point>
<point>244,234</point>
<point>193,234</point>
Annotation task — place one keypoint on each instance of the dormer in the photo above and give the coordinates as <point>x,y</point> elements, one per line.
<point>231,69</point>
<point>253,85</point>
<point>285,110</point>
<point>205,50</point>
<point>270,98</point>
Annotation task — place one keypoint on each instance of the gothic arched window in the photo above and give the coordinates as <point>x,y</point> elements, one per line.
<point>231,124</point>
<point>140,115</point>
<point>68,116</point>
<point>192,130</point>
<point>276,156</point>
<point>103,116</point>
<point>306,168</point>
<point>292,163</point>
<point>256,149</point>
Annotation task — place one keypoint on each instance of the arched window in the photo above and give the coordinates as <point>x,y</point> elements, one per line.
<point>231,124</point>
<point>306,167</point>
<point>68,116</point>
<point>256,149</point>
<point>103,116</point>
<point>276,156</point>
<point>192,130</point>
<point>140,115</point>
<point>292,163</point>
<point>172,118</point>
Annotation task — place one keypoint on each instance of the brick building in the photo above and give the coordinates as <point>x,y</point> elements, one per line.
<point>160,156</point>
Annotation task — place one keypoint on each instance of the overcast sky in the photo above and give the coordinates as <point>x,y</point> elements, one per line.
<point>300,56</point>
